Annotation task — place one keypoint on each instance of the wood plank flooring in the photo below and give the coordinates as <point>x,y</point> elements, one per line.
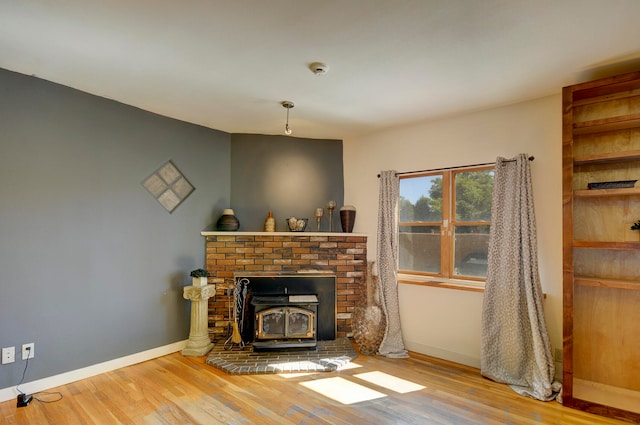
<point>375,390</point>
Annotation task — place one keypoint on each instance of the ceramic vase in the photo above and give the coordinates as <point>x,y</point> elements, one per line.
<point>347,218</point>
<point>270,223</point>
<point>228,221</point>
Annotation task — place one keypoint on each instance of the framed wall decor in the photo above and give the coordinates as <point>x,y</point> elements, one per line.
<point>168,186</point>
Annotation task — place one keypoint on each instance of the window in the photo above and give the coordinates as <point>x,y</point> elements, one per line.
<point>444,223</point>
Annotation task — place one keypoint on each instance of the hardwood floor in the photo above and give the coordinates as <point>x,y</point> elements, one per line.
<point>184,390</point>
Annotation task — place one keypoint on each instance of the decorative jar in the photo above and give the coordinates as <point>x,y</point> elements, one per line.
<point>368,320</point>
<point>347,218</point>
<point>228,221</point>
<point>270,223</point>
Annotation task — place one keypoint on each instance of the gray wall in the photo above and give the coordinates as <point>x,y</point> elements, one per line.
<point>289,176</point>
<point>91,266</point>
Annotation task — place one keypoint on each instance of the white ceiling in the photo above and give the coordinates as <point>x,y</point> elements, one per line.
<point>228,64</point>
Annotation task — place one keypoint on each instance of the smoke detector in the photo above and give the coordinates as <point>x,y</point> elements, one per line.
<point>319,68</point>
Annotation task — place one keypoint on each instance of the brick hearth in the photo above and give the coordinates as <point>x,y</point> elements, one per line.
<point>341,254</point>
<point>327,357</point>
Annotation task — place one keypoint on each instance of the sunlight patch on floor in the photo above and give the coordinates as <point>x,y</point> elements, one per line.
<point>342,391</point>
<point>284,367</point>
<point>390,382</point>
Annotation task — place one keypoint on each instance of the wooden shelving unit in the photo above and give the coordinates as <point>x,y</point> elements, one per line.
<point>601,255</point>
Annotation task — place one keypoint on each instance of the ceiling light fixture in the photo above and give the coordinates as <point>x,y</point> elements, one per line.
<point>318,68</point>
<point>287,104</point>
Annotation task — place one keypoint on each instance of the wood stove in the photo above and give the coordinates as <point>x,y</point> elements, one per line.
<point>285,310</point>
<point>285,321</point>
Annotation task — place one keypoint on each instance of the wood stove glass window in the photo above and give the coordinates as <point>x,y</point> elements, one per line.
<point>298,324</point>
<point>285,322</point>
<point>271,323</point>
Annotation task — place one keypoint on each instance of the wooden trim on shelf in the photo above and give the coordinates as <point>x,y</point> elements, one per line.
<point>606,245</point>
<point>625,401</point>
<point>607,97</point>
<point>606,192</point>
<point>621,122</point>
<point>567,248</point>
<point>607,157</point>
<point>604,87</point>
<point>607,283</point>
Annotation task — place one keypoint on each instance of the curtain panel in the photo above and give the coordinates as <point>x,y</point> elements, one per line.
<point>515,347</point>
<point>387,257</point>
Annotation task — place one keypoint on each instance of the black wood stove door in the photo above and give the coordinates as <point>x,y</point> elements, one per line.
<point>324,287</point>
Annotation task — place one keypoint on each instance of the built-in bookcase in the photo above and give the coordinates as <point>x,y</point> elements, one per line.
<point>601,264</point>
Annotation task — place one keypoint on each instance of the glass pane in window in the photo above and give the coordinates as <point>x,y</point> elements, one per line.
<point>473,195</point>
<point>471,246</point>
<point>421,199</point>
<point>419,248</point>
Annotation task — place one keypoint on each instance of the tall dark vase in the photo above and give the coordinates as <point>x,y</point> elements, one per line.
<point>368,320</point>
<point>347,218</point>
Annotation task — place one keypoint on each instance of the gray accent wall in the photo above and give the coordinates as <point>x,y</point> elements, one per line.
<point>91,265</point>
<point>287,175</point>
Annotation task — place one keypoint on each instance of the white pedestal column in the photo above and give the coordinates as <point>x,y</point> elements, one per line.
<point>199,343</point>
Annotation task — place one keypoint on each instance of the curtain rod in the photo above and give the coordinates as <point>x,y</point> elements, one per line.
<point>531,158</point>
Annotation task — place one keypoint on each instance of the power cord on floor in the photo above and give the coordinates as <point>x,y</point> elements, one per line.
<point>25,399</point>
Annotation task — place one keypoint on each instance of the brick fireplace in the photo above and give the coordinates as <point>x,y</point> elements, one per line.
<point>284,253</point>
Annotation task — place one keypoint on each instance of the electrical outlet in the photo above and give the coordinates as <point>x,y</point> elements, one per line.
<point>8,355</point>
<point>28,351</point>
<point>558,355</point>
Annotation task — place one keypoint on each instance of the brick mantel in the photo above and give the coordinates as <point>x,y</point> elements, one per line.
<point>342,254</point>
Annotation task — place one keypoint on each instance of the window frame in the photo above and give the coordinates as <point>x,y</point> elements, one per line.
<point>446,277</point>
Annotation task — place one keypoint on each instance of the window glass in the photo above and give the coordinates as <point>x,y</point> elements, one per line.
<point>421,199</point>
<point>419,248</point>
<point>473,195</point>
<point>471,246</point>
<point>444,223</point>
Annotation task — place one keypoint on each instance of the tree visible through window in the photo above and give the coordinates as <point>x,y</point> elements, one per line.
<point>444,223</point>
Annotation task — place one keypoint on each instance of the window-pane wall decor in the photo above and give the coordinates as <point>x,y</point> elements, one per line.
<point>168,186</point>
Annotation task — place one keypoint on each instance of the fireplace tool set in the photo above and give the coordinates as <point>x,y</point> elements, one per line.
<point>239,295</point>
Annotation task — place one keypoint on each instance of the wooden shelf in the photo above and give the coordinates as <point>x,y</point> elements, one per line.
<point>621,122</point>
<point>607,97</point>
<point>607,157</point>
<point>598,90</point>
<point>606,245</point>
<point>607,395</point>
<point>629,191</point>
<point>607,283</point>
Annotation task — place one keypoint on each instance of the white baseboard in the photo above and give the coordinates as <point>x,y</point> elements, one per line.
<point>459,358</point>
<point>86,372</point>
<point>443,354</point>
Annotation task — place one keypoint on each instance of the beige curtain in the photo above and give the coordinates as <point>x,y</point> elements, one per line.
<point>387,257</point>
<point>515,347</point>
